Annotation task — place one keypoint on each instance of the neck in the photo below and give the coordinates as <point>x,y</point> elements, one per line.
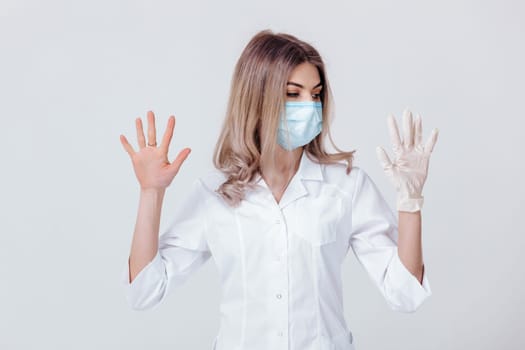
<point>285,166</point>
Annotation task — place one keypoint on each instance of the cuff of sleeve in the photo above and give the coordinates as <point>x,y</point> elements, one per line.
<point>155,264</point>
<point>404,284</point>
<point>409,204</point>
<point>136,291</point>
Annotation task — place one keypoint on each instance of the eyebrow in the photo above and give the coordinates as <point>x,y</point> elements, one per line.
<point>302,87</point>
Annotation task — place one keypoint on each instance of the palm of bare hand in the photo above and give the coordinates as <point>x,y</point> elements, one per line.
<point>151,165</point>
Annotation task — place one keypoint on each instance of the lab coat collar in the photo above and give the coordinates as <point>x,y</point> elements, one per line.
<point>308,170</point>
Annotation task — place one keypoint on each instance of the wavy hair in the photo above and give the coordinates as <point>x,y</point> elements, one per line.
<point>256,102</point>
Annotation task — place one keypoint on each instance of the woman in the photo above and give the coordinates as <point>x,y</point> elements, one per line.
<point>279,214</point>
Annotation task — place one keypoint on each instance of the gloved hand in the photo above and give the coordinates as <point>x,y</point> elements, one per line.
<point>408,171</point>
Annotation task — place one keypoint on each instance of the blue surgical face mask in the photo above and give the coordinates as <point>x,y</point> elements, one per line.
<point>301,123</point>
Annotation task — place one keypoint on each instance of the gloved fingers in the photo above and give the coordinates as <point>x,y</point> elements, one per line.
<point>394,132</point>
<point>383,157</point>
<point>408,129</point>
<point>429,146</point>
<point>418,130</point>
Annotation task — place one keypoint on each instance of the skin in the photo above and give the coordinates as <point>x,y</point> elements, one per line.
<point>155,173</point>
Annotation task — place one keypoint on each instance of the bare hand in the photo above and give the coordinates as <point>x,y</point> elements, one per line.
<point>151,165</point>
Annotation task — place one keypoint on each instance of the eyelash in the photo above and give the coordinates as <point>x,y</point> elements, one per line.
<point>290,94</point>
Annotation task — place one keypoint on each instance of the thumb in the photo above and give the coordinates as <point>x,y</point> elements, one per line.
<point>177,163</point>
<point>383,157</point>
<point>429,146</point>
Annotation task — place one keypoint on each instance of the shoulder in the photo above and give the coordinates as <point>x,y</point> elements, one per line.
<point>211,179</point>
<point>335,174</point>
<point>357,186</point>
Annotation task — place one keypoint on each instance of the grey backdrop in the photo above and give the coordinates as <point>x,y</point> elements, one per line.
<point>74,75</point>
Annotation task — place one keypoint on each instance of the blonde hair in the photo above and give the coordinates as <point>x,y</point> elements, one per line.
<point>257,97</point>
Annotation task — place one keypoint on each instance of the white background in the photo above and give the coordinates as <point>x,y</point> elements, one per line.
<point>74,75</point>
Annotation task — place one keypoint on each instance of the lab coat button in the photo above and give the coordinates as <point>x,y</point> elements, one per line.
<point>279,296</point>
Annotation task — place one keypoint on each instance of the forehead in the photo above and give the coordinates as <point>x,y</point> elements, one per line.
<point>305,74</point>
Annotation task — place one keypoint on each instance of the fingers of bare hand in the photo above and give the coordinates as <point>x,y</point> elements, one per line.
<point>127,147</point>
<point>152,137</point>
<point>141,140</point>
<point>181,157</point>
<point>166,139</point>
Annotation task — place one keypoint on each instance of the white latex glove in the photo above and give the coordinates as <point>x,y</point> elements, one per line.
<point>408,171</point>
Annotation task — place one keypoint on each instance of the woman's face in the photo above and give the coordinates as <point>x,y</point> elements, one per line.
<point>304,84</point>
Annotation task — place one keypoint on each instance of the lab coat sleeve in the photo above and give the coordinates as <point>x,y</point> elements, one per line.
<point>182,249</point>
<point>374,242</point>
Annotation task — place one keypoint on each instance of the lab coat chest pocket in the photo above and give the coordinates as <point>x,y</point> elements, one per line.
<point>343,341</point>
<point>316,219</point>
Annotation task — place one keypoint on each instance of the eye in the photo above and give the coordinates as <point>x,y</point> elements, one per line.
<point>292,94</point>
<point>316,95</point>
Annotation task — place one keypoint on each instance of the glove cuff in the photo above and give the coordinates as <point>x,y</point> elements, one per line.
<point>410,204</point>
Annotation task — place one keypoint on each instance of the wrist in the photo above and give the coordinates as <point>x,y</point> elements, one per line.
<point>152,192</point>
<point>409,204</point>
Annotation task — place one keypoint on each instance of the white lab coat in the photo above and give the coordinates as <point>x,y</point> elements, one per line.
<point>280,263</point>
